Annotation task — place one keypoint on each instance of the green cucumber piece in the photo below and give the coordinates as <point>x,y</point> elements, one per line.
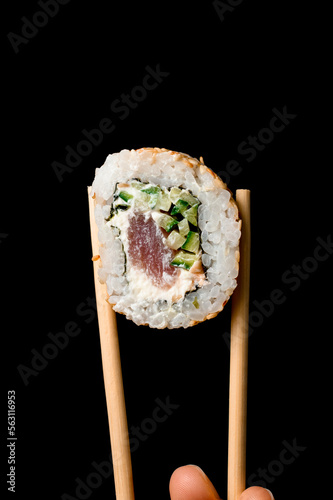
<point>164,202</point>
<point>191,200</point>
<point>175,194</point>
<point>179,207</point>
<point>154,192</point>
<point>192,242</point>
<point>151,190</point>
<point>125,196</point>
<point>137,184</point>
<point>192,215</point>
<point>153,200</point>
<point>175,240</point>
<point>183,227</point>
<point>184,260</point>
<point>165,221</point>
<point>142,201</point>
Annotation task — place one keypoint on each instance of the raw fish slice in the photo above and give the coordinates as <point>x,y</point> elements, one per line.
<point>147,251</point>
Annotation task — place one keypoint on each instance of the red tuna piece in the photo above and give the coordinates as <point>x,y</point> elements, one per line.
<point>148,252</point>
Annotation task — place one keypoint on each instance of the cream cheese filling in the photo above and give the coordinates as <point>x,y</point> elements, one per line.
<point>142,286</point>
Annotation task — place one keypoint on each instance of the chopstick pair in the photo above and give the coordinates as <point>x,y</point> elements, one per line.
<point>113,382</point>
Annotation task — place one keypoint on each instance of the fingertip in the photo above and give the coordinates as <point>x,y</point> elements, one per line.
<point>189,482</point>
<point>270,493</point>
<point>256,493</point>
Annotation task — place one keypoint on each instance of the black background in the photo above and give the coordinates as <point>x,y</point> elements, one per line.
<point>224,77</point>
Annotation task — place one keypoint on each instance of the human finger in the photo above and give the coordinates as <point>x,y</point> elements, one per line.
<point>256,493</point>
<point>191,483</point>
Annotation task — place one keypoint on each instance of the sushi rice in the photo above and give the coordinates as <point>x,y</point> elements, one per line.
<point>169,233</point>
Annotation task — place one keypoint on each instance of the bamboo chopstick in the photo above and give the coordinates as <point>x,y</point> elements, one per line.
<point>113,381</point>
<point>239,358</point>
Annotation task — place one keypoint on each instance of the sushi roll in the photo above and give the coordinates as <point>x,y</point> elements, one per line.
<point>169,232</point>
